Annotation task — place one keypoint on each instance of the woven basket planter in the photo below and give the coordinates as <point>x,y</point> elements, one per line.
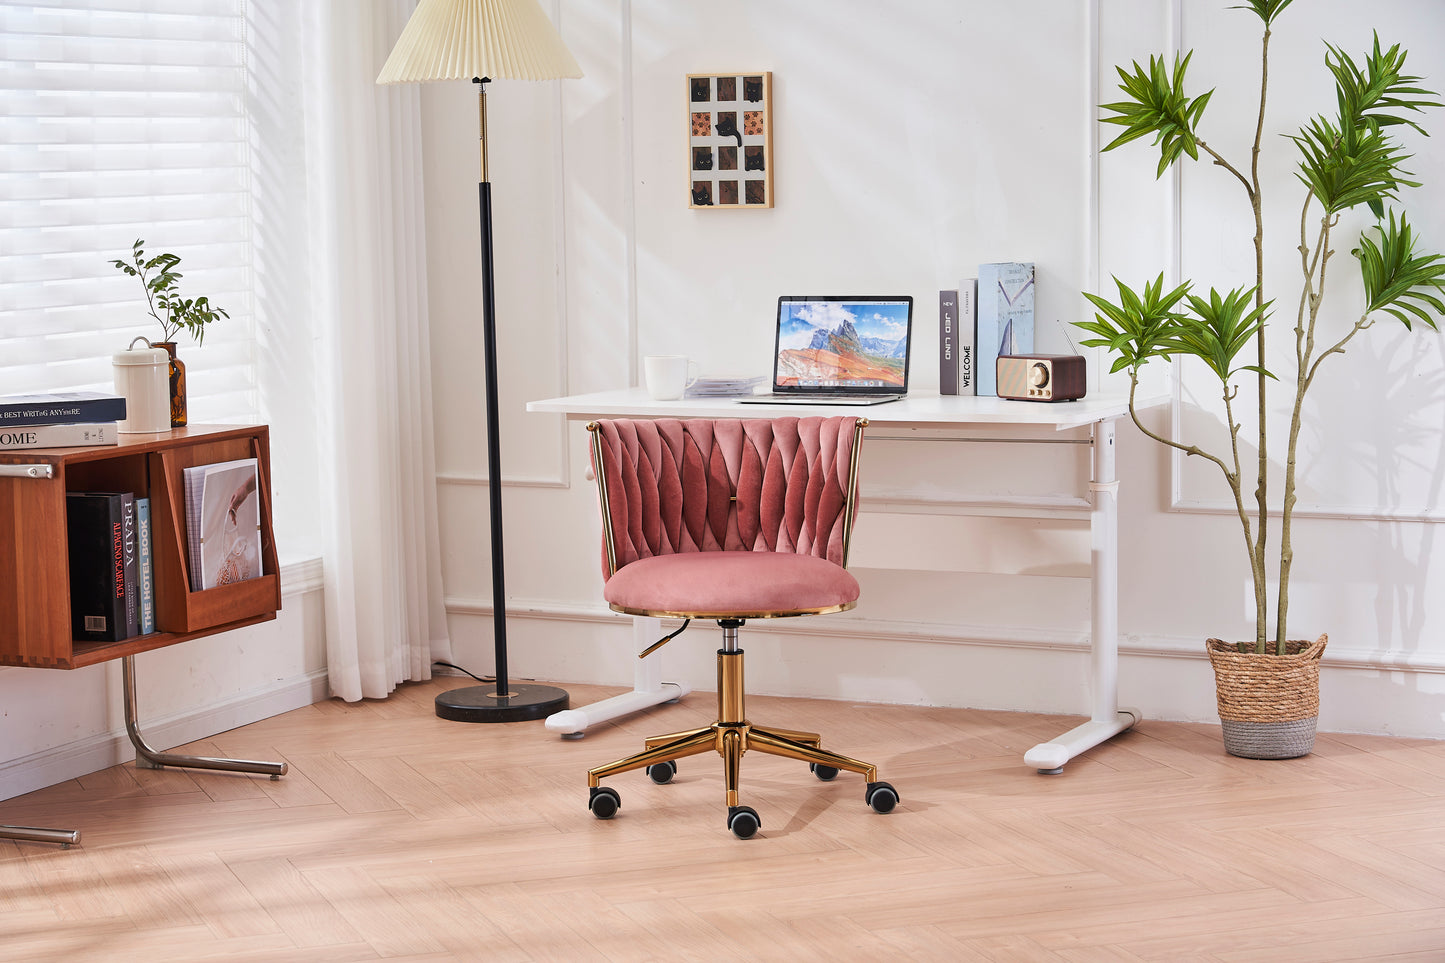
<point>1268,704</point>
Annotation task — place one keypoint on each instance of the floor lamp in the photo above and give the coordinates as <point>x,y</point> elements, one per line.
<point>481,41</point>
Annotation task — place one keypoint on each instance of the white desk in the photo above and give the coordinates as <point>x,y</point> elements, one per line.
<point>1034,421</point>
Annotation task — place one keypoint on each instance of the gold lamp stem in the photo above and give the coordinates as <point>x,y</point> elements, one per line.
<point>481,83</point>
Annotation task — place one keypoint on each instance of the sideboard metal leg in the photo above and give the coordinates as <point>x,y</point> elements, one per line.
<point>148,758</point>
<point>65,837</point>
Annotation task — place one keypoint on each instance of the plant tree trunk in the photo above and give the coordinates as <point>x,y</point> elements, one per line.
<point>1261,492</point>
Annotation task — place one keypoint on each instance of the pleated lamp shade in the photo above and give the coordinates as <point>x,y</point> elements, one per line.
<point>466,39</point>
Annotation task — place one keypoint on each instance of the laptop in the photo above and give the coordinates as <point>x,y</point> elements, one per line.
<point>836,350</point>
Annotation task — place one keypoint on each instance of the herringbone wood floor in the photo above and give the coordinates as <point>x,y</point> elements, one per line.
<point>402,836</point>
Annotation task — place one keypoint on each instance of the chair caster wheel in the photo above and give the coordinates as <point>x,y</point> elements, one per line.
<point>604,802</point>
<point>825,773</point>
<point>743,821</point>
<point>662,772</point>
<point>881,796</point>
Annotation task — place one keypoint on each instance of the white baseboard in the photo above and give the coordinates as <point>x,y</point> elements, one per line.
<point>1017,636</point>
<point>101,751</point>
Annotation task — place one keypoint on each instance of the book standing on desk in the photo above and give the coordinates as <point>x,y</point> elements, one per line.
<point>948,342</point>
<point>1005,318</point>
<point>967,345</point>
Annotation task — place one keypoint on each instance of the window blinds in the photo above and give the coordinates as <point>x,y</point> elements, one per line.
<point>124,119</point>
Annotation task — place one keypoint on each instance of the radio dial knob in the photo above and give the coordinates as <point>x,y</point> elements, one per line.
<point>1039,374</point>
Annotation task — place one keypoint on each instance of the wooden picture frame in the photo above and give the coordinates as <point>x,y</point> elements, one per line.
<point>730,140</point>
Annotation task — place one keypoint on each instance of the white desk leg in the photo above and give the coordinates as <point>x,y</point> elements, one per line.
<point>648,689</point>
<point>1106,718</point>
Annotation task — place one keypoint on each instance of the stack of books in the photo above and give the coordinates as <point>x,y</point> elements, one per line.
<point>69,419</point>
<point>112,585</point>
<point>723,387</point>
<point>986,316</point>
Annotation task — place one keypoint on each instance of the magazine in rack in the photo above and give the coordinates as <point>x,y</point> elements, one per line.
<point>223,523</point>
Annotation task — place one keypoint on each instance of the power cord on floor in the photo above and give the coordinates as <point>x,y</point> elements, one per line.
<point>448,665</point>
<point>484,678</point>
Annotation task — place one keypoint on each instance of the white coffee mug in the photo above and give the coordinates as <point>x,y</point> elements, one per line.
<point>668,375</point>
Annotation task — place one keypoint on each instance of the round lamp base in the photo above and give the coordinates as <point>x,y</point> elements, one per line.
<point>483,703</point>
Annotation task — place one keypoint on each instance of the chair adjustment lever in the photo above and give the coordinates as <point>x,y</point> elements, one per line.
<point>664,640</point>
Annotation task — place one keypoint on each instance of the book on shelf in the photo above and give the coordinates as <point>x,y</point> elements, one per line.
<point>130,555</point>
<point>1005,319</point>
<point>947,342</point>
<point>966,346</point>
<point>95,541</point>
<point>147,570</point>
<point>223,523</point>
<point>60,408</point>
<point>77,435</point>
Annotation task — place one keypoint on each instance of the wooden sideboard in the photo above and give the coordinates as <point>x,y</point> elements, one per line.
<point>35,625</point>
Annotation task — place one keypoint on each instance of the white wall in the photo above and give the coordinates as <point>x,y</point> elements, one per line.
<point>913,141</point>
<point>60,724</point>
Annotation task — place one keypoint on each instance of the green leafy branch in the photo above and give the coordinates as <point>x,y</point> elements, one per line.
<point>164,302</point>
<point>1345,161</point>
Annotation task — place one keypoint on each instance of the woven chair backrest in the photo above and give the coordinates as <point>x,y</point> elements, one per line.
<point>699,485</point>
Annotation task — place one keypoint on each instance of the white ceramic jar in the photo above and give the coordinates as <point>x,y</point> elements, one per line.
<point>142,378</point>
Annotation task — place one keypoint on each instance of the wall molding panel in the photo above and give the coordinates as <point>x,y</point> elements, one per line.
<point>1037,638</point>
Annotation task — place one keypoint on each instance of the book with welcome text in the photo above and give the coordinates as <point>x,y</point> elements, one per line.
<point>966,345</point>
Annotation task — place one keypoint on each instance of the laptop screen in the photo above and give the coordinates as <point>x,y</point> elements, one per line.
<point>842,344</point>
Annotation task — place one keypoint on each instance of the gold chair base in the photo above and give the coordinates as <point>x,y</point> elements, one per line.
<point>731,736</point>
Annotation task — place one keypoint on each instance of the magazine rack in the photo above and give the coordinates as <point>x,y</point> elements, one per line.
<point>35,624</point>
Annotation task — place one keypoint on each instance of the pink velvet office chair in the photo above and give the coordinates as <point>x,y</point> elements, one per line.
<point>728,520</point>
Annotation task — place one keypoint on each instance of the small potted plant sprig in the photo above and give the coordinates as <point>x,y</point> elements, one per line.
<point>161,280</point>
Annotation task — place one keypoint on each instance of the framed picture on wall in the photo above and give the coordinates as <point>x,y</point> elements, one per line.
<point>730,140</point>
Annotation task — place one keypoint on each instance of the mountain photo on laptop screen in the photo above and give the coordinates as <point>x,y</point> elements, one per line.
<point>843,344</point>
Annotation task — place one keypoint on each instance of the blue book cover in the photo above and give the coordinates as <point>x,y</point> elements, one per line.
<point>1005,318</point>
<point>147,575</point>
<point>60,408</point>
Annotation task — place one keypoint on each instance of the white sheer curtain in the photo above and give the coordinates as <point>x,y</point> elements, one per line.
<point>385,621</point>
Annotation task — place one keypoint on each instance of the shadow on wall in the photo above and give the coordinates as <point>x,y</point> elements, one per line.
<point>1401,379</point>
<point>1413,383</point>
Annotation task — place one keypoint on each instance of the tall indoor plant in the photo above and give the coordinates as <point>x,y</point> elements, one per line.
<point>162,283</point>
<point>1344,160</point>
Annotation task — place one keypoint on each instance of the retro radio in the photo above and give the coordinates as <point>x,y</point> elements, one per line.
<point>1041,377</point>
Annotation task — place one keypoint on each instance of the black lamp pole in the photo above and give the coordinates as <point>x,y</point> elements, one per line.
<point>503,701</point>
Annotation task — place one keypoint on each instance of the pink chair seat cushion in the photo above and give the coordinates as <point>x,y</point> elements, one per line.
<point>731,585</point>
